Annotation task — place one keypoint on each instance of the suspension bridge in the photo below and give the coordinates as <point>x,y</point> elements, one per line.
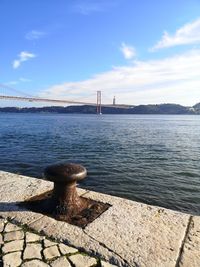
<point>17,95</point>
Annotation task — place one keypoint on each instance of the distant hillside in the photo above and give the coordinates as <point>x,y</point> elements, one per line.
<point>161,109</point>
<point>141,109</point>
<point>197,106</point>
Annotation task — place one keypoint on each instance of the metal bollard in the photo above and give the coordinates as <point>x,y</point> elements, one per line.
<point>63,202</point>
<point>65,199</point>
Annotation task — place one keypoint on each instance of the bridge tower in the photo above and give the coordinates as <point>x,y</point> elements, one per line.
<point>114,101</point>
<point>98,102</point>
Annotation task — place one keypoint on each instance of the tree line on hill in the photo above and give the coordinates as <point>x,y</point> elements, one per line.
<point>86,109</point>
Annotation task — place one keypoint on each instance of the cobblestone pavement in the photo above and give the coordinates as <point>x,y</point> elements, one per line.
<point>20,247</point>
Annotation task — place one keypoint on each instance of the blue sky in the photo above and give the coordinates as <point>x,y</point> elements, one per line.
<point>140,51</point>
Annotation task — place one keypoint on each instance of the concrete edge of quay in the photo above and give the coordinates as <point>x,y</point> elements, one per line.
<point>127,234</point>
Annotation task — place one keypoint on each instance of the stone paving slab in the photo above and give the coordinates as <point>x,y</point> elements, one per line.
<point>15,235</point>
<point>128,234</point>
<point>31,237</point>
<point>12,259</point>
<point>142,235</point>
<point>61,262</point>
<point>14,245</point>
<point>32,250</point>
<point>82,260</point>
<point>34,254</point>
<point>51,252</point>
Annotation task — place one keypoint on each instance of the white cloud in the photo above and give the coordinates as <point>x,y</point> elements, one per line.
<point>173,79</point>
<point>128,51</point>
<point>34,35</point>
<point>188,34</point>
<point>16,64</point>
<point>23,56</point>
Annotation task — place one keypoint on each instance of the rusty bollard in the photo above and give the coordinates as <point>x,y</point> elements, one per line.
<point>65,199</point>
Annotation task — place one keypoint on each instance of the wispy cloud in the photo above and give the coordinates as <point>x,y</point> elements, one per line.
<point>34,35</point>
<point>12,83</point>
<point>87,9</point>
<point>128,51</point>
<point>23,80</point>
<point>188,34</point>
<point>173,79</point>
<point>22,57</point>
<point>90,6</point>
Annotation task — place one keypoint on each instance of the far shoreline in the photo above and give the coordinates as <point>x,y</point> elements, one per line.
<point>156,109</point>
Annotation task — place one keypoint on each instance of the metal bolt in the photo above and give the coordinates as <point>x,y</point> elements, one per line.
<point>65,199</point>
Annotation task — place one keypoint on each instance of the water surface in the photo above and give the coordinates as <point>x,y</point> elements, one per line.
<point>150,158</point>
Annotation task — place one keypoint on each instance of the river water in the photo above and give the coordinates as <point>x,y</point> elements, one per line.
<point>154,159</point>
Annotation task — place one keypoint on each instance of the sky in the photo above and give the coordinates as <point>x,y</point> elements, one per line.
<point>140,51</point>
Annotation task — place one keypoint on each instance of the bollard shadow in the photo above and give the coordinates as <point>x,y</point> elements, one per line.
<point>43,204</point>
<point>12,206</point>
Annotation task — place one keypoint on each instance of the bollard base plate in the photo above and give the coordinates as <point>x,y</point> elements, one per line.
<point>43,204</point>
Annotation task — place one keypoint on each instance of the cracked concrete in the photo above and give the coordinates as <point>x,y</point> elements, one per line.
<point>127,234</point>
<point>190,253</point>
<point>117,256</point>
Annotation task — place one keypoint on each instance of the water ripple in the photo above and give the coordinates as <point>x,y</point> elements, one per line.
<point>153,159</point>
